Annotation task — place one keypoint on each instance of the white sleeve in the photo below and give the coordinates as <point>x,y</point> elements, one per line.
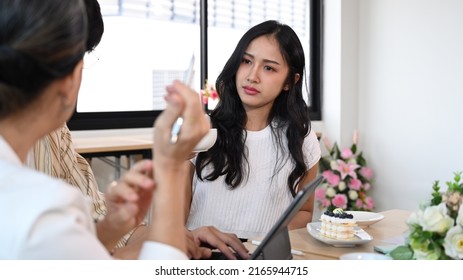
<point>66,231</point>
<point>311,148</point>
<point>63,232</point>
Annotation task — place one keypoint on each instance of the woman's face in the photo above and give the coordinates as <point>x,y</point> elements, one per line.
<point>262,74</point>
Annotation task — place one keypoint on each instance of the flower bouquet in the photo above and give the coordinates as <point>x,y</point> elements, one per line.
<point>209,92</point>
<point>436,229</point>
<point>346,179</point>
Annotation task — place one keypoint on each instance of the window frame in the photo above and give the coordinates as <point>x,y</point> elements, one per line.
<point>316,59</point>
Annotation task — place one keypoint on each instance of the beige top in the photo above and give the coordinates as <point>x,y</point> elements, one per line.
<point>55,155</point>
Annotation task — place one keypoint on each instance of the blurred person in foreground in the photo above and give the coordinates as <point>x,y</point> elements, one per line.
<point>42,44</point>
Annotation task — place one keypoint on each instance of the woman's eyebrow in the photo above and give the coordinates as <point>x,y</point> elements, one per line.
<point>265,60</point>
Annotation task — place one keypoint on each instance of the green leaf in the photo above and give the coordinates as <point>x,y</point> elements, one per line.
<point>455,186</point>
<point>436,195</point>
<point>457,176</point>
<point>360,160</point>
<point>335,151</point>
<point>403,252</point>
<point>353,148</point>
<point>325,164</point>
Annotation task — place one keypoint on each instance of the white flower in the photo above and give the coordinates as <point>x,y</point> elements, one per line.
<point>436,231</point>
<point>324,186</point>
<point>342,186</point>
<point>330,192</point>
<point>420,255</point>
<point>353,195</point>
<point>424,204</point>
<point>435,219</point>
<point>415,218</point>
<point>427,255</point>
<point>453,242</point>
<point>459,219</point>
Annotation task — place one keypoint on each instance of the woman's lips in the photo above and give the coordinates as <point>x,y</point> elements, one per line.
<point>250,90</point>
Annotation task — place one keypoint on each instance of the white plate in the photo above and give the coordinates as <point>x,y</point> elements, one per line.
<point>361,236</point>
<point>365,218</point>
<point>364,256</point>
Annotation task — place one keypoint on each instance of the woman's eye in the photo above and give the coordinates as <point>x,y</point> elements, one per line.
<point>268,68</point>
<point>246,61</point>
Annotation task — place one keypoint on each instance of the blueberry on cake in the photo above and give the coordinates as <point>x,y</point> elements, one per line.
<point>338,225</point>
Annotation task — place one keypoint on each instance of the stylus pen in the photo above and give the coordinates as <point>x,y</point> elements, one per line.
<point>294,252</point>
<point>177,126</point>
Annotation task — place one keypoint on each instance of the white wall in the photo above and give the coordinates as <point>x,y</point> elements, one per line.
<point>394,70</point>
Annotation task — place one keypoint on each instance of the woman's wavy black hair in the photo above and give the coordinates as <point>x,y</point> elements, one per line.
<point>288,117</point>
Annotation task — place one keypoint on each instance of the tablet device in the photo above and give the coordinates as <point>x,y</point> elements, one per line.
<point>276,244</point>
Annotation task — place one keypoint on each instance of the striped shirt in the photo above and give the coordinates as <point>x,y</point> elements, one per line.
<point>55,155</point>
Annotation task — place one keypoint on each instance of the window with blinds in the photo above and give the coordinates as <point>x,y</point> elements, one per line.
<point>239,14</point>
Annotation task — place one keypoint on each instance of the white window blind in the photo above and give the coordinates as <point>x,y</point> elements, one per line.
<point>171,10</point>
<point>239,14</point>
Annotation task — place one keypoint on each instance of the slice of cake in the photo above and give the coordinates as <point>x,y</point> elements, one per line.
<point>338,225</point>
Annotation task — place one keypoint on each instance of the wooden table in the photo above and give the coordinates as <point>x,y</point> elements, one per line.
<point>388,231</point>
<point>134,143</point>
<point>112,142</point>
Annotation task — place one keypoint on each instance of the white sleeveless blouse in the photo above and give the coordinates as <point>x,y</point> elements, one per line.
<point>251,209</point>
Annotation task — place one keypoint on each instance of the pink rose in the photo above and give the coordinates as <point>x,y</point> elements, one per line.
<point>366,186</point>
<point>331,178</point>
<point>340,201</point>
<point>366,172</point>
<point>320,193</point>
<point>355,184</point>
<point>370,204</point>
<point>359,203</point>
<point>326,203</point>
<point>346,153</point>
